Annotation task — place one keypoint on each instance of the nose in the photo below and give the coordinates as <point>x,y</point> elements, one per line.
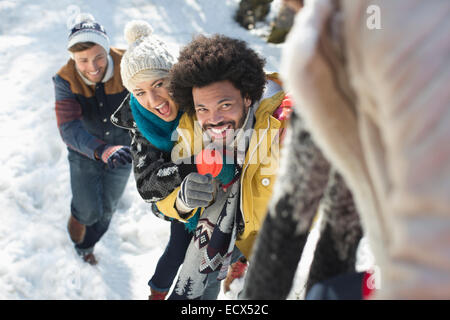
<point>93,66</point>
<point>153,99</point>
<point>216,118</point>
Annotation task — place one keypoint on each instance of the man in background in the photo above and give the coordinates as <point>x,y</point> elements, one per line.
<point>88,89</point>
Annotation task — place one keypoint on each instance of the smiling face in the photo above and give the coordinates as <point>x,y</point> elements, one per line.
<point>92,63</point>
<point>154,96</point>
<point>220,109</point>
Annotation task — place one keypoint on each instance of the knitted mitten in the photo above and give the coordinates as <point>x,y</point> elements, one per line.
<point>115,156</point>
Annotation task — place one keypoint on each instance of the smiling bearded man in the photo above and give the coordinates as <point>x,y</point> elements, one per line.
<point>220,110</point>
<point>229,103</point>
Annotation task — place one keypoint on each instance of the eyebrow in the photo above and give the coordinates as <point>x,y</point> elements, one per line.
<point>139,89</point>
<point>218,102</point>
<point>97,56</point>
<point>156,81</point>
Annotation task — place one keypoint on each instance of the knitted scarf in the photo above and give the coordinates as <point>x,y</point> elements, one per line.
<point>157,131</point>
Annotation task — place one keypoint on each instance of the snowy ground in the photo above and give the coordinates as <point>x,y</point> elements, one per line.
<point>37,260</point>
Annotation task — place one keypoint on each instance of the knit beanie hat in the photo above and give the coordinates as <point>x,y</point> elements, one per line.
<point>86,29</point>
<point>145,52</point>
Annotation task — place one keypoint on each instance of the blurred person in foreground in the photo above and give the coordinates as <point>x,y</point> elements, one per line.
<point>372,81</point>
<point>307,186</point>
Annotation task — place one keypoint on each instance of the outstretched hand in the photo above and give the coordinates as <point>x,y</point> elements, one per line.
<point>115,156</point>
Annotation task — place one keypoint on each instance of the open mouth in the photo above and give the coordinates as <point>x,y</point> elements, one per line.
<point>163,109</point>
<point>95,73</point>
<point>219,132</point>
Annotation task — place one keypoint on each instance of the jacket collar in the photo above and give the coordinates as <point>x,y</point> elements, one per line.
<point>123,117</point>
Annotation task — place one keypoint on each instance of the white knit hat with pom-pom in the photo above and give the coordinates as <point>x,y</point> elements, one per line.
<point>145,52</point>
<point>86,29</point>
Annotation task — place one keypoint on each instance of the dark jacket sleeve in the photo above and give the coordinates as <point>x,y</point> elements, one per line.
<point>301,184</point>
<point>68,117</point>
<point>156,175</point>
<point>340,233</point>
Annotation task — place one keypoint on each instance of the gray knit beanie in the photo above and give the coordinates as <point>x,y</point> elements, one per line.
<point>145,52</point>
<point>86,29</point>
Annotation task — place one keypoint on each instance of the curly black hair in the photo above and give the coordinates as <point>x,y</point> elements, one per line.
<point>206,60</point>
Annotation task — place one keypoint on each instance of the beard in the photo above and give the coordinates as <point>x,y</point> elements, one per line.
<point>228,140</point>
<point>232,129</point>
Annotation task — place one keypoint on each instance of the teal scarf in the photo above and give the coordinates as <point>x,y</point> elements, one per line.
<point>157,131</point>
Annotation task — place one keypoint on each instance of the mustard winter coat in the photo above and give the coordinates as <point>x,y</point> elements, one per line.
<point>258,171</point>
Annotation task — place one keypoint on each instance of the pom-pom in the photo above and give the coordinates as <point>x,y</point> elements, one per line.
<point>136,30</point>
<point>84,17</point>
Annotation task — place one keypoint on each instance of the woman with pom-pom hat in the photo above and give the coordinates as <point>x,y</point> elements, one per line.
<point>152,118</point>
<point>88,89</point>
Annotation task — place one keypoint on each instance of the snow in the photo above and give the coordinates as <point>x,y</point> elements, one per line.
<point>37,260</point>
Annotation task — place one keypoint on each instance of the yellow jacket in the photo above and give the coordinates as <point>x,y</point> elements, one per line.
<point>258,171</point>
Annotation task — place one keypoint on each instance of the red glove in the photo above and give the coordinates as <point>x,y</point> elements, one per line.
<point>368,285</point>
<point>284,111</point>
<point>114,156</point>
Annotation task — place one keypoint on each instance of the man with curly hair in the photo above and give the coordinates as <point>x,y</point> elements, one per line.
<point>233,113</point>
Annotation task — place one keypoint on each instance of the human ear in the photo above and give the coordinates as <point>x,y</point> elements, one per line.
<point>247,102</point>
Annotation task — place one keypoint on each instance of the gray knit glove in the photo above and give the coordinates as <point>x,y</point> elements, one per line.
<point>196,190</point>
